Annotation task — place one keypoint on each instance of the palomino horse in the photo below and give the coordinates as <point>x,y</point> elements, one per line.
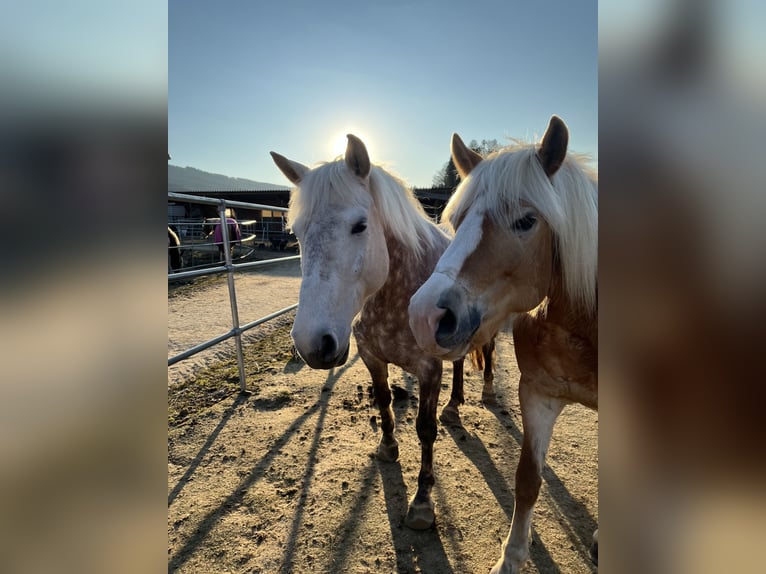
<point>366,247</point>
<point>526,246</point>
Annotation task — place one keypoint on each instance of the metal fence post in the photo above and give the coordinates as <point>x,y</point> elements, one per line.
<point>232,294</point>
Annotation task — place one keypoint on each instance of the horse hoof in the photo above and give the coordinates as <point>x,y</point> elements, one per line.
<point>450,416</point>
<point>594,548</point>
<point>388,452</point>
<point>489,397</point>
<point>504,567</point>
<point>420,515</point>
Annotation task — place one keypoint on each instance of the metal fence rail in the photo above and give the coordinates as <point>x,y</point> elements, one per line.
<point>229,268</point>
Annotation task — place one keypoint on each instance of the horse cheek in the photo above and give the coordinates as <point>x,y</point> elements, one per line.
<point>374,265</point>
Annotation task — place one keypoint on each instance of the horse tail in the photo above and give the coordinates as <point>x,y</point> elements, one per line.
<point>477,358</point>
<point>477,355</point>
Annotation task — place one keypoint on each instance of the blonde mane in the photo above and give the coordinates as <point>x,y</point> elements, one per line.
<point>568,202</point>
<point>401,213</point>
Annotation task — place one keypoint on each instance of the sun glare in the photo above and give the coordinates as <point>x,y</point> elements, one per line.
<point>338,143</point>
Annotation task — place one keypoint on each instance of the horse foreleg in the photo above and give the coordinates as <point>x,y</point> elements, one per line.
<point>420,514</point>
<point>388,447</point>
<point>450,414</point>
<point>488,392</point>
<point>538,414</point>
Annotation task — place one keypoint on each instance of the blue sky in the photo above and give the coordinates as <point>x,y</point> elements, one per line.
<point>247,77</point>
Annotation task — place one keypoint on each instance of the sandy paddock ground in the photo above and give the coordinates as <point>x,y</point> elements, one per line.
<point>283,480</point>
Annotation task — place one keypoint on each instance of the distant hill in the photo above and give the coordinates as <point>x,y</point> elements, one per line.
<point>183,179</point>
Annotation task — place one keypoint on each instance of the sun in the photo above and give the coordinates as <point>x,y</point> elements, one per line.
<point>339,142</point>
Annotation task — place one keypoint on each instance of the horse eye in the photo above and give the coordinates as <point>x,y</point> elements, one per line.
<point>359,227</point>
<point>525,223</point>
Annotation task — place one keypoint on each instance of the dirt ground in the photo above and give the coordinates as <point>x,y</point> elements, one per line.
<point>284,479</point>
<point>200,310</point>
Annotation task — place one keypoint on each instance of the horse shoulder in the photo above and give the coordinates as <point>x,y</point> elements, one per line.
<point>564,363</point>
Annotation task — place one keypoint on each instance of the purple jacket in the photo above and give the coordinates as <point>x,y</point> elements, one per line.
<point>234,233</point>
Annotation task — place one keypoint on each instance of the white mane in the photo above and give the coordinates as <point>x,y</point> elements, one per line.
<point>402,214</point>
<point>568,201</point>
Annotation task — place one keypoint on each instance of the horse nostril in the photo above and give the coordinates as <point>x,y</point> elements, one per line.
<point>447,324</point>
<point>328,348</point>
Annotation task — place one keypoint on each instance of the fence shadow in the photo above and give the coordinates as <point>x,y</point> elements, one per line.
<point>236,497</point>
<point>350,527</point>
<point>241,398</point>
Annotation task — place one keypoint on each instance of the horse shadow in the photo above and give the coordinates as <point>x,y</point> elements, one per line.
<point>308,475</point>
<point>473,449</point>
<point>294,365</point>
<point>415,551</point>
<point>574,517</point>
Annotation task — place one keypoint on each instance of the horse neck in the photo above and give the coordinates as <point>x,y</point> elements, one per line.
<point>570,315</point>
<point>406,271</point>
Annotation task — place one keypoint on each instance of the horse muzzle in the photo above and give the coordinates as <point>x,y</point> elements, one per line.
<point>458,321</point>
<point>323,353</point>
<point>441,321</point>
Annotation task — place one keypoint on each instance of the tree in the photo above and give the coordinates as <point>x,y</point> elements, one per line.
<point>447,176</point>
<point>484,148</point>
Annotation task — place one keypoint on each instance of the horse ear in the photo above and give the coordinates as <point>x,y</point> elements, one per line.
<point>293,170</point>
<point>553,148</point>
<point>464,158</point>
<point>357,158</point>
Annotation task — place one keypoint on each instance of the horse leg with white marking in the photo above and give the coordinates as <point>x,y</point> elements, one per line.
<point>539,412</point>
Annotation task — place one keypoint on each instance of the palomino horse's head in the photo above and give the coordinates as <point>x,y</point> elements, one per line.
<point>512,216</point>
<point>343,251</point>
